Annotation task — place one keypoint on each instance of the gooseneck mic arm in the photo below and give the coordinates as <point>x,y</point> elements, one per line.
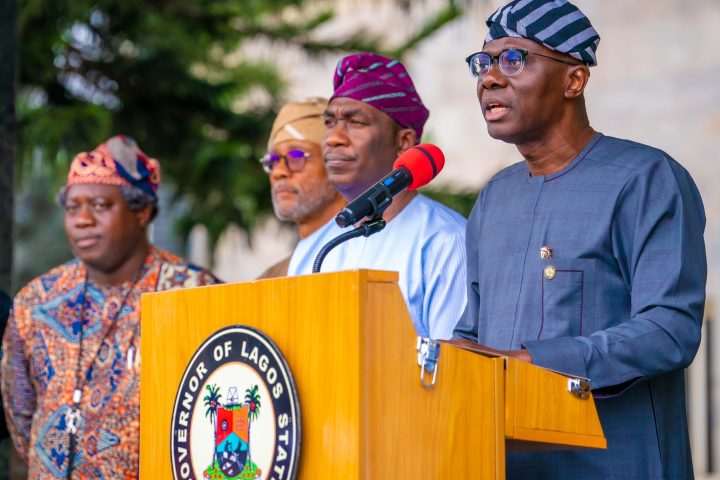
<point>365,230</point>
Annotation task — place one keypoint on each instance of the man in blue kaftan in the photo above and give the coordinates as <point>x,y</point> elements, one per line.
<point>588,257</point>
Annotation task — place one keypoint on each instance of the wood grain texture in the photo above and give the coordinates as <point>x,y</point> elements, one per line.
<point>313,320</point>
<point>540,409</point>
<point>452,430</point>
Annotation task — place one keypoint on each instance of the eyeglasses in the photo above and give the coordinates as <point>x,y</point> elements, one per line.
<point>510,61</point>
<point>294,159</point>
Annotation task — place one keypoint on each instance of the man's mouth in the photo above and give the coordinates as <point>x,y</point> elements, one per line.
<point>495,111</point>
<point>87,242</point>
<point>334,159</point>
<point>283,189</point>
<point>280,192</point>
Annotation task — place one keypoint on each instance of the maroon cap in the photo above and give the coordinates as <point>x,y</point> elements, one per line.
<point>384,84</point>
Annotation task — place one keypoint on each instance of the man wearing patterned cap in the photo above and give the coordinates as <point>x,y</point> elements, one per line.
<point>301,192</point>
<point>588,256</point>
<point>374,115</point>
<point>70,370</point>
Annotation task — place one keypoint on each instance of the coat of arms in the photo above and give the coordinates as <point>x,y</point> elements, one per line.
<point>217,405</point>
<point>231,426</point>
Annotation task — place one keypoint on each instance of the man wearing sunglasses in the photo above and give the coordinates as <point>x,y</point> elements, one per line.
<point>301,192</point>
<point>374,115</point>
<point>588,256</point>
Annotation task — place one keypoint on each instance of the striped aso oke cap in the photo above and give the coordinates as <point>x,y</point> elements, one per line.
<point>384,84</point>
<point>557,24</point>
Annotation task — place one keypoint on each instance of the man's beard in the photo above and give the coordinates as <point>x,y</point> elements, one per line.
<point>317,196</point>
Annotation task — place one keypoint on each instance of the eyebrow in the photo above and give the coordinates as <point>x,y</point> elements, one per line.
<point>569,60</point>
<point>88,198</point>
<point>292,144</point>
<point>345,113</point>
<point>506,47</point>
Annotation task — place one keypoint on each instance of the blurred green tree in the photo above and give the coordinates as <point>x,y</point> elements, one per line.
<point>168,73</point>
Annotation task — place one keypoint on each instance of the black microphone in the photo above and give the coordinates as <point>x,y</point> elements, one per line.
<point>414,168</point>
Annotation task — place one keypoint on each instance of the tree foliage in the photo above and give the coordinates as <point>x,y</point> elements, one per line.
<point>171,74</point>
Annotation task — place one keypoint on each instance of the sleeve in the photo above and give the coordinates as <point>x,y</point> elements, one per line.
<point>444,263</point>
<point>17,388</point>
<point>280,269</point>
<point>181,274</point>
<point>657,240</point>
<point>208,278</point>
<point>467,327</point>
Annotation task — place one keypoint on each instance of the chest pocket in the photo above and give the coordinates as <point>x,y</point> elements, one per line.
<point>568,298</point>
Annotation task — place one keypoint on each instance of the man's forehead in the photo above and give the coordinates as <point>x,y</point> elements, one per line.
<point>343,107</point>
<point>92,190</point>
<point>348,107</point>
<point>496,46</point>
<point>292,144</point>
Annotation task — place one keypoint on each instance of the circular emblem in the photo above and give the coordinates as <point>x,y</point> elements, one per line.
<point>236,412</point>
<point>549,272</point>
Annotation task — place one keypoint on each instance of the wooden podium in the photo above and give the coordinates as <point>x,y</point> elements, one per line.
<point>349,342</point>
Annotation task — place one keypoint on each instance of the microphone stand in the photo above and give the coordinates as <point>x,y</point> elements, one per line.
<point>366,229</point>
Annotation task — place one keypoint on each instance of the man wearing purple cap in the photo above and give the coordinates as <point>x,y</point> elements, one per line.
<point>588,256</point>
<point>70,370</point>
<point>374,115</point>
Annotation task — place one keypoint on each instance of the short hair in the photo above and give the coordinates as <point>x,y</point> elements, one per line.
<point>135,198</point>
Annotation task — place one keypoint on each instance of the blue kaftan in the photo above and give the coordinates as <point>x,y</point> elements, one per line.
<point>622,304</point>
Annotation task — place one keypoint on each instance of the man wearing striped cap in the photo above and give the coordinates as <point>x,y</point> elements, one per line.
<point>374,115</point>
<point>70,368</point>
<point>588,256</point>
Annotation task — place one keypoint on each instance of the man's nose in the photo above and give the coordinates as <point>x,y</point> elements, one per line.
<point>84,216</point>
<point>336,135</point>
<point>493,79</point>
<point>280,170</point>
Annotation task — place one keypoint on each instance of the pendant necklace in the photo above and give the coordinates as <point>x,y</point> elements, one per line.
<point>72,414</point>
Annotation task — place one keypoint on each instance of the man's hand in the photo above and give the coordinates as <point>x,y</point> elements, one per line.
<point>521,354</point>
<point>466,344</point>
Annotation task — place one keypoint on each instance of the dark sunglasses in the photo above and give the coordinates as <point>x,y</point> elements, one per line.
<point>294,160</point>
<point>510,61</point>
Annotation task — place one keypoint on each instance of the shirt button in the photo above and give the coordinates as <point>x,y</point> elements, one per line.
<point>549,272</point>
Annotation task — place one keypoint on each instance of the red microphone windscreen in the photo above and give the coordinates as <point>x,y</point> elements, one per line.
<point>424,162</point>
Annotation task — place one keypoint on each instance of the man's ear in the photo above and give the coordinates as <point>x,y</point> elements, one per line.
<point>405,138</point>
<point>576,81</point>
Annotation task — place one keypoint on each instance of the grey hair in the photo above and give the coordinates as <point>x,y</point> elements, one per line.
<point>135,198</point>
